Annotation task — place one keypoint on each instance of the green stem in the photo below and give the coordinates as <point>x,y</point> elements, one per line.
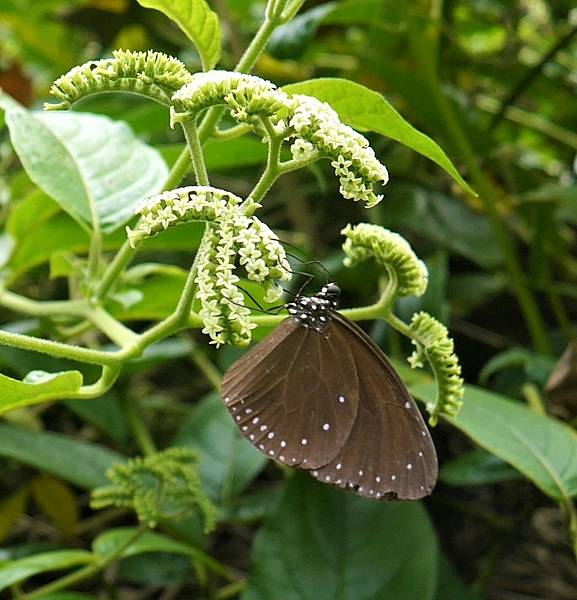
<point>59,350</point>
<point>139,429</point>
<point>94,254</point>
<point>271,172</point>
<point>231,133</point>
<point>96,389</point>
<point>37,308</point>
<point>86,572</point>
<point>195,147</point>
<point>118,264</point>
<point>114,329</point>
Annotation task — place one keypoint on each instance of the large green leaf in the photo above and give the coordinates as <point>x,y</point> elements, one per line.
<point>323,544</point>
<point>40,387</point>
<point>540,447</point>
<point>14,571</point>
<point>198,22</point>
<point>81,463</point>
<point>366,110</point>
<point>228,463</point>
<point>95,168</point>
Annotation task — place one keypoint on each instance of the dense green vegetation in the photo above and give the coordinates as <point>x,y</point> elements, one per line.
<point>122,474</point>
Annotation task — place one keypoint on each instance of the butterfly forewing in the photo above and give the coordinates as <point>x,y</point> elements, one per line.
<point>277,394</point>
<point>318,394</point>
<point>389,451</point>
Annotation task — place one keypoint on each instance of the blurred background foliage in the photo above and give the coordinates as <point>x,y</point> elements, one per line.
<point>493,82</point>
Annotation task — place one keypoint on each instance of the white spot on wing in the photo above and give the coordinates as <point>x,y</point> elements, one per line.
<point>342,399</point>
<point>326,426</point>
<point>409,466</point>
<point>304,441</point>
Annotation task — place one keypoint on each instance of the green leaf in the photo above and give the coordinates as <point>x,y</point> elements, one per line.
<point>45,386</point>
<point>366,110</point>
<point>325,544</point>
<point>540,447</point>
<point>108,542</point>
<point>81,463</point>
<point>95,168</point>
<point>14,571</point>
<point>477,467</point>
<point>199,23</point>
<point>228,463</point>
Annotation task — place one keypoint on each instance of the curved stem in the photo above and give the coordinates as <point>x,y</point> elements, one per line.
<point>86,572</point>
<point>59,350</point>
<point>104,383</point>
<point>39,308</point>
<point>195,147</point>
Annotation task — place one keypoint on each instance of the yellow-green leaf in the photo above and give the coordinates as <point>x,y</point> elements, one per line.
<point>39,387</point>
<point>56,501</point>
<point>367,110</point>
<point>199,23</point>
<point>11,509</point>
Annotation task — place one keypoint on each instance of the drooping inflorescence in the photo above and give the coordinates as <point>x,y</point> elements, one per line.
<point>389,249</point>
<point>313,126</point>
<point>151,74</point>
<point>433,343</point>
<point>232,240</point>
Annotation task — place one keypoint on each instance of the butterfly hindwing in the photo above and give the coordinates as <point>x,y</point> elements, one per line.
<point>389,451</point>
<point>277,393</point>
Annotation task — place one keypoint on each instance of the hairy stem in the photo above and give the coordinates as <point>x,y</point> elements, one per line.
<point>86,572</point>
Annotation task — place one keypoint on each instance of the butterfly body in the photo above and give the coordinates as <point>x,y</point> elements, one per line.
<point>319,395</point>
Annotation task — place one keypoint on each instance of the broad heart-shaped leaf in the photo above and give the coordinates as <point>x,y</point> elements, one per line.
<point>108,542</point>
<point>94,167</point>
<point>81,463</point>
<point>51,386</point>
<point>540,447</point>
<point>14,571</point>
<point>228,463</point>
<point>199,23</point>
<point>325,544</point>
<point>367,110</point>
<point>477,467</point>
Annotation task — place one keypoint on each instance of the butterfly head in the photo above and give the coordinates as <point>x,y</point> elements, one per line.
<point>314,312</point>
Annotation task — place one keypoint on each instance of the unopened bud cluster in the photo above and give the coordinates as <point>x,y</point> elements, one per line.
<point>365,241</point>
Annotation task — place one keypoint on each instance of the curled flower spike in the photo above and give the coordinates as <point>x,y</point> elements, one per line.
<point>151,74</point>
<point>354,161</point>
<point>246,96</point>
<point>433,343</point>
<point>159,487</point>
<point>181,205</point>
<point>389,249</point>
<point>223,311</point>
<point>314,126</point>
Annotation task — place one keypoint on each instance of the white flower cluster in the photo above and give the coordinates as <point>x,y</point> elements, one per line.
<point>389,249</point>
<point>223,312</point>
<point>152,74</point>
<point>231,238</point>
<point>246,96</point>
<point>191,203</point>
<point>315,127</point>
